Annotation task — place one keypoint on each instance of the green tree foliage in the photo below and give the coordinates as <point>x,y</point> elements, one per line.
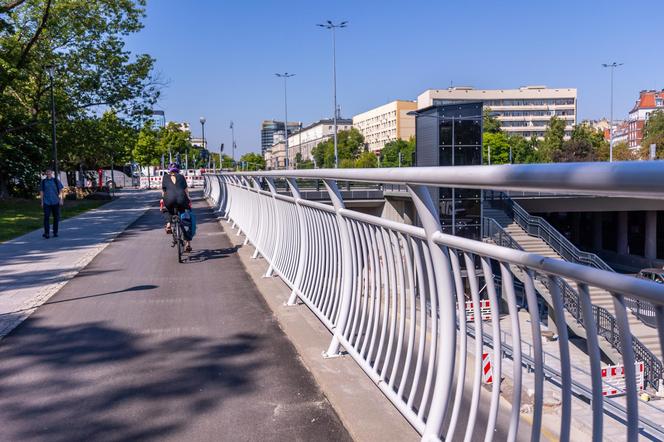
<point>173,140</point>
<point>253,161</point>
<point>550,147</point>
<point>490,124</point>
<point>390,153</point>
<point>226,162</point>
<point>524,151</point>
<point>84,40</point>
<point>366,159</point>
<point>349,145</point>
<point>500,147</point>
<point>585,144</point>
<point>146,150</point>
<point>653,133</point>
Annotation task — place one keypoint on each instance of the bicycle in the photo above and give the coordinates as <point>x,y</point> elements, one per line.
<point>178,236</point>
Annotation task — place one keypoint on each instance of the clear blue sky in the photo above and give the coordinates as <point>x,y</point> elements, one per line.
<point>219,57</point>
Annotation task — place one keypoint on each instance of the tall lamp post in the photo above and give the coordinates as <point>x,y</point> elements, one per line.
<point>50,69</point>
<point>333,27</point>
<point>233,141</point>
<point>286,76</point>
<point>202,120</point>
<point>612,66</point>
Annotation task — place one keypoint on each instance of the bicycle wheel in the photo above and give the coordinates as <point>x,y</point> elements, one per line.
<point>180,241</point>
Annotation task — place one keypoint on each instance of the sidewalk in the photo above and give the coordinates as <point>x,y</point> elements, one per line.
<point>32,269</point>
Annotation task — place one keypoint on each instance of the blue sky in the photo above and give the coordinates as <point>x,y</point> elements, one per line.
<point>219,57</point>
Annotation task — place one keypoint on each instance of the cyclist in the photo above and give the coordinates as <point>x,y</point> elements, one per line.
<point>175,195</point>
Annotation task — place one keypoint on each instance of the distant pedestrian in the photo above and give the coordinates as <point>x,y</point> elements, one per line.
<point>50,191</point>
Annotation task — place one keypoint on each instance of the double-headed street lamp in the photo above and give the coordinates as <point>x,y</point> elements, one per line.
<point>286,76</point>
<point>233,141</point>
<point>50,69</point>
<point>333,27</point>
<point>612,66</point>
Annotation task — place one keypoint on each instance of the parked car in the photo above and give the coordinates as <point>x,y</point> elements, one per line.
<point>653,274</point>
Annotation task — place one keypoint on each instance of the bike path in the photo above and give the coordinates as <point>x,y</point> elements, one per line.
<point>139,347</point>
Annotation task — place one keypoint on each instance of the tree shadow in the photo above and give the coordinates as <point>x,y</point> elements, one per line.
<point>95,382</point>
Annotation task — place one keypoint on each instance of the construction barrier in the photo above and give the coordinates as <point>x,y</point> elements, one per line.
<point>485,310</point>
<point>613,379</point>
<point>487,372</point>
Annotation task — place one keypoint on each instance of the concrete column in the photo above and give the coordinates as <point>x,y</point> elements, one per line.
<point>597,231</point>
<point>623,239</point>
<point>651,235</point>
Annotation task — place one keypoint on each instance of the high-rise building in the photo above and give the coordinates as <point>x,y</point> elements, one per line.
<point>386,123</point>
<point>525,111</point>
<point>269,127</point>
<point>648,102</point>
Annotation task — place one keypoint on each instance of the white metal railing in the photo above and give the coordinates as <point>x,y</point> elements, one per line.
<point>391,293</point>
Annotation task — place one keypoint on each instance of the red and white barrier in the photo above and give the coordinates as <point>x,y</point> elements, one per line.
<point>613,379</point>
<point>485,310</point>
<point>487,372</point>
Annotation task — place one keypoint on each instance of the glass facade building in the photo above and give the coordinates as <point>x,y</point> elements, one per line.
<point>451,135</point>
<point>270,127</point>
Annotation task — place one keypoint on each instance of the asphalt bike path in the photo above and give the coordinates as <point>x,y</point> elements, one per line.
<point>140,347</point>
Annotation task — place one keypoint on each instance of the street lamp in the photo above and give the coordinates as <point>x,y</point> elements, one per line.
<point>50,70</point>
<point>202,120</point>
<point>233,141</point>
<point>612,66</point>
<point>286,76</point>
<point>333,27</point>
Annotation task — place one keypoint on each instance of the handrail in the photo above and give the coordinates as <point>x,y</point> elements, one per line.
<point>605,322</point>
<point>540,228</point>
<point>390,293</point>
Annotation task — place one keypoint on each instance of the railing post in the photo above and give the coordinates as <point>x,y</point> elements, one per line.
<point>304,241</point>
<point>346,268</point>
<point>273,190</point>
<point>445,292</point>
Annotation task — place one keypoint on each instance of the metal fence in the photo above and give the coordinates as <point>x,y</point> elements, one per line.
<point>393,294</point>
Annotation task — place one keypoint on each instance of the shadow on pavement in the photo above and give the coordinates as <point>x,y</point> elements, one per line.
<point>94,382</point>
<point>205,255</point>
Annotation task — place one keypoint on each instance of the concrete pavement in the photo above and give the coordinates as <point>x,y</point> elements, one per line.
<point>32,269</point>
<point>139,347</point>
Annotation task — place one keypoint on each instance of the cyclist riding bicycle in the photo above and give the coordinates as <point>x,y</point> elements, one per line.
<point>175,195</point>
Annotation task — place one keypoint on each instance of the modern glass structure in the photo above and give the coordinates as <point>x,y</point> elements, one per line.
<point>451,135</point>
<point>270,127</point>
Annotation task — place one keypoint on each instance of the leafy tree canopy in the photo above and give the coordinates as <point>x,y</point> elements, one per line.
<point>390,153</point>
<point>252,161</point>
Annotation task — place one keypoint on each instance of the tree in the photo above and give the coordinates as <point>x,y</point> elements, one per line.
<point>653,133</point>
<point>500,147</point>
<point>146,150</point>
<point>553,140</point>
<point>490,124</point>
<point>390,153</point>
<point>84,40</point>
<point>524,151</point>
<point>349,144</point>
<point>253,161</point>
<point>366,159</point>
<point>172,140</point>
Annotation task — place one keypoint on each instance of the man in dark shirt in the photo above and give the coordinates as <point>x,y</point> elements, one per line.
<point>50,191</point>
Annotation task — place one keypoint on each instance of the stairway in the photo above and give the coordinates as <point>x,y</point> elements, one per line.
<point>647,335</point>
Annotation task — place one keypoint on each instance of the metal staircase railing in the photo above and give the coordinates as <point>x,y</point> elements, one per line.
<point>540,228</point>
<point>607,326</point>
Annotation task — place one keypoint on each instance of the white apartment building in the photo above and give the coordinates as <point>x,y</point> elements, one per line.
<point>525,111</point>
<point>386,123</point>
<point>304,140</point>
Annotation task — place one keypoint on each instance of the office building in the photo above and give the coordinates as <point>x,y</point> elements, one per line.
<point>304,140</point>
<point>268,129</point>
<point>647,103</point>
<point>525,111</point>
<point>386,123</point>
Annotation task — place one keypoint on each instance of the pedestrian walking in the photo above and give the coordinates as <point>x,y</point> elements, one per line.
<point>50,191</point>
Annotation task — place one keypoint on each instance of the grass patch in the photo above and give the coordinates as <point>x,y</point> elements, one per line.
<point>20,216</point>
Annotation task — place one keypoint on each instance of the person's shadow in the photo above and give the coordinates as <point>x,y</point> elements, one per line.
<point>207,254</point>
